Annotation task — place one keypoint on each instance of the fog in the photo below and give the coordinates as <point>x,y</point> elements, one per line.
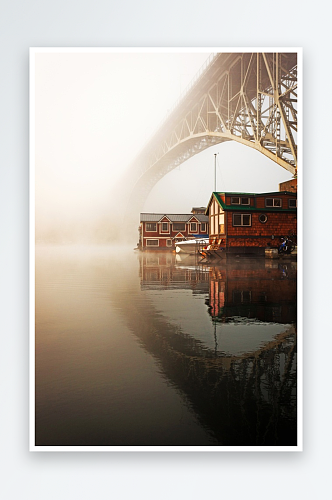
<point>92,112</point>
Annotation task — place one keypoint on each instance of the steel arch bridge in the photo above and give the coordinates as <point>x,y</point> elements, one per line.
<point>250,98</point>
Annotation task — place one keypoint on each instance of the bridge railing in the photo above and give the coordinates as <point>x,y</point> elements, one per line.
<point>197,76</point>
<point>190,85</point>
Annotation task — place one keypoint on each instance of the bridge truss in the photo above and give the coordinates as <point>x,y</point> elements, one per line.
<point>250,98</point>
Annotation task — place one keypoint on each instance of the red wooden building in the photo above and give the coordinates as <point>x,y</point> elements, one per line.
<point>161,231</point>
<point>250,222</point>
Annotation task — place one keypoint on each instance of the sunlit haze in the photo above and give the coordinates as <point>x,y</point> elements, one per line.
<point>94,112</point>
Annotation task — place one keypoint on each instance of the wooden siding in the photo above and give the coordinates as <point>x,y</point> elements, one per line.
<point>290,185</point>
<point>261,234</point>
<point>163,236</point>
<point>280,222</point>
<point>260,200</point>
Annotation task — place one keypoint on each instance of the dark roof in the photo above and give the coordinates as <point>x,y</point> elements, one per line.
<point>146,217</point>
<point>274,193</point>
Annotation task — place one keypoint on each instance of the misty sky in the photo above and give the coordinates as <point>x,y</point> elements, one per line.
<point>93,113</point>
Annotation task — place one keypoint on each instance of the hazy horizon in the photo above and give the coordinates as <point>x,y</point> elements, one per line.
<point>93,114</point>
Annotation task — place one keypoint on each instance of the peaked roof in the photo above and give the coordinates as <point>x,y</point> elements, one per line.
<point>151,217</point>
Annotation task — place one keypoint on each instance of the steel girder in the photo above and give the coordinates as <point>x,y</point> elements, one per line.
<point>250,98</point>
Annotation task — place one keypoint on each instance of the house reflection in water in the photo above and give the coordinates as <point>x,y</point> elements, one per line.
<point>266,291</point>
<point>226,337</point>
<point>167,271</point>
<point>259,289</point>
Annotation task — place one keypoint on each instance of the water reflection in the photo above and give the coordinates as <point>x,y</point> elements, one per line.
<point>147,349</point>
<point>238,362</point>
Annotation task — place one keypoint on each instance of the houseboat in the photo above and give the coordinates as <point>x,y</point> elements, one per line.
<point>163,231</point>
<point>249,223</point>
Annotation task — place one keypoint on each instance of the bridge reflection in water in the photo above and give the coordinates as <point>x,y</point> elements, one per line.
<point>236,363</point>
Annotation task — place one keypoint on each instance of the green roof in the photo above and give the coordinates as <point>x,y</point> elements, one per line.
<point>248,208</point>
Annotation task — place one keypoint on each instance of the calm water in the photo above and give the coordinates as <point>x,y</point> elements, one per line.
<point>140,349</point>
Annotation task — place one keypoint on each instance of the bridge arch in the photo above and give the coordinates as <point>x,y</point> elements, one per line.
<point>250,98</point>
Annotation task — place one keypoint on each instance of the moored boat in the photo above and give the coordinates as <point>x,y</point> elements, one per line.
<point>191,246</point>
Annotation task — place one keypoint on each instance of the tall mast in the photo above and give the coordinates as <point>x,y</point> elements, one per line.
<point>215,172</point>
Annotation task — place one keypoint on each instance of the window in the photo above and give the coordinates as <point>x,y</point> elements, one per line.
<point>152,243</point>
<point>168,243</point>
<point>151,226</point>
<point>193,227</point>
<point>222,224</point>
<point>241,220</point>
<point>292,203</point>
<point>211,224</point>
<point>179,226</point>
<point>273,202</point>
<point>203,227</point>
<point>237,200</point>
<point>164,227</point>
<point>262,218</point>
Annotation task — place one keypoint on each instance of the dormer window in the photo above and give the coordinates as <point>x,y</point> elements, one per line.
<point>240,200</point>
<point>193,227</point>
<point>273,202</point>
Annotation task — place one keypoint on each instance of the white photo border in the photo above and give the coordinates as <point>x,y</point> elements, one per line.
<point>32,447</point>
